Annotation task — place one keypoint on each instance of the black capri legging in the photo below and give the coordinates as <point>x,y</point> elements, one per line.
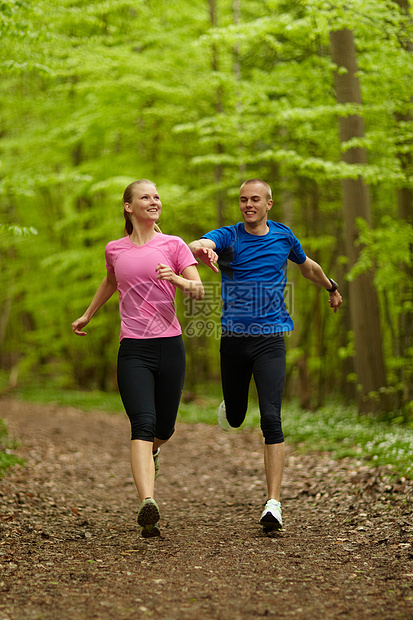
<point>150,378</point>
<point>244,355</point>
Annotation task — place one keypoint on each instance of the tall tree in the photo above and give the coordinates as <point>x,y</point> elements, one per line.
<point>218,172</point>
<point>364,304</point>
<point>133,103</point>
<point>405,213</point>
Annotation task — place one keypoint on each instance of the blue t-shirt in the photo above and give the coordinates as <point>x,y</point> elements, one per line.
<point>254,277</point>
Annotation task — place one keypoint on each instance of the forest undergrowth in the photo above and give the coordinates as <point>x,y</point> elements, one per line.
<point>71,548</point>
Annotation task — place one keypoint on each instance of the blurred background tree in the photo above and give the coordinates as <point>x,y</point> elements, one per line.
<point>199,97</point>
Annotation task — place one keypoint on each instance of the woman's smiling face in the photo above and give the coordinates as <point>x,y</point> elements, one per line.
<point>146,204</point>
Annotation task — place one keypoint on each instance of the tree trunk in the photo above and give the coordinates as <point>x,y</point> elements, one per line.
<point>405,213</point>
<point>236,13</point>
<point>364,305</point>
<point>218,171</point>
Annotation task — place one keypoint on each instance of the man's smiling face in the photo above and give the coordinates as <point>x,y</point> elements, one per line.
<point>254,204</point>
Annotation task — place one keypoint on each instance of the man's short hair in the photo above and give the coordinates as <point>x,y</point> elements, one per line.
<point>263,183</point>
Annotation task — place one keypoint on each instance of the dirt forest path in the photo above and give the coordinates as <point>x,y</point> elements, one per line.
<point>70,546</point>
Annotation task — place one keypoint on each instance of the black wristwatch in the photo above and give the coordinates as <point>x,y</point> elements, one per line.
<point>334,286</point>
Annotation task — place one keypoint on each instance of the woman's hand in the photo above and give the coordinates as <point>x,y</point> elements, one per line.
<point>104,292</point>
<point>164,272</point>
<point>78,325</point>
<point>189,283</point>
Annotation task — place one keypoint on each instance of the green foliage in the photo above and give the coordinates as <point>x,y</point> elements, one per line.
<point>96,94</point>
<point>333,428</point>
<point>343,432</point>
<point>7,458</point>
<point>87,400</point>
<point>16,231</point>
<point>387,250</point>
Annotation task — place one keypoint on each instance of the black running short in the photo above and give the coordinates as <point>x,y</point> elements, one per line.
<point>262,356</point>
<point>151,377</point>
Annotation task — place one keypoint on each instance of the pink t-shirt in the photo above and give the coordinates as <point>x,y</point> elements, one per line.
<point>146,304</point>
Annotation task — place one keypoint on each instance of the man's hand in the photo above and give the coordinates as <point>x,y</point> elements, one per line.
<point>207,256</point>
<point>335,300</point>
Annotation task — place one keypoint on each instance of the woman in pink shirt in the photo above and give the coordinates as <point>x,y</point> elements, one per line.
<point>146,267</point>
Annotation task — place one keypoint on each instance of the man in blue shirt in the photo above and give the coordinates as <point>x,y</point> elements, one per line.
<point>252,256</point>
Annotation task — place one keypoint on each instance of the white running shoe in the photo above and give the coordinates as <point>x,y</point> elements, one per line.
<point>222,417</point>
<point>271,517</point>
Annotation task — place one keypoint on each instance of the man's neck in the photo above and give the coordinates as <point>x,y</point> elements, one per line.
<point>259,230</point>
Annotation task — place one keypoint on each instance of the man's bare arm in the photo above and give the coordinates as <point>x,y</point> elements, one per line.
<point>204,250</point>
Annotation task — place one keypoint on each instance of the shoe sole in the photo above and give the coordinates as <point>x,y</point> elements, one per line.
<point>150,531</point>
<point>222,419</point>
<point>149,514</point>
<point>223,427</point>
<point>270,523</point>
<point>271,527</point>
<point>223,424</point>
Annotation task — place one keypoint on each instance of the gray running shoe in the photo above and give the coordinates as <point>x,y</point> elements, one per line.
<point>148,513</point>
<point>222,417</point>
<point>271,517</point>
